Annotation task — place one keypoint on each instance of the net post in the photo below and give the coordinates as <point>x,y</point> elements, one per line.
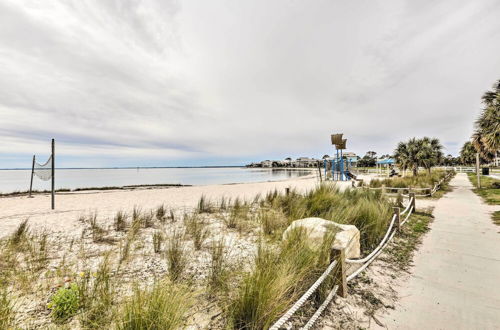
<point>32,173</point>
<point>340,278</point>
<point>53,172</point>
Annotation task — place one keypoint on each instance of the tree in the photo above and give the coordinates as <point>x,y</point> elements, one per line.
<point>486,137</point>
<point>425,152</point>
<point>371,154</point>
<point>468,154</point>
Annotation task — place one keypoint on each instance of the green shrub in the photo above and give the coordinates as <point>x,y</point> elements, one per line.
<point>65,303</point>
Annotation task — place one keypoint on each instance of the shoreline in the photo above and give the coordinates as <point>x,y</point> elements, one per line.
<point>72,205</point>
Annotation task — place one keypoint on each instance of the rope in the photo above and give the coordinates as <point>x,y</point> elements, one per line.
<point>303,299</point>
<point>360,261</point>
<point>321,308</point>
<point>369,259</point>
<point>360,269</point>
<point>407,217</point>
<point>407,207</point>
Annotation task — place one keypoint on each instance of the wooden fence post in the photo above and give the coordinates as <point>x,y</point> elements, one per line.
<point>397,212</point>
<point>412,199</point>
<point>341,280</point>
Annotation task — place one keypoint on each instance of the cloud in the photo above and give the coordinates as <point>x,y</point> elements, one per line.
<point>194,82</point>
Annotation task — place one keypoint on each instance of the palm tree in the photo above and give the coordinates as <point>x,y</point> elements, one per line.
<point>425,152</point>
<point>467,154</point>
<point>486,137</point>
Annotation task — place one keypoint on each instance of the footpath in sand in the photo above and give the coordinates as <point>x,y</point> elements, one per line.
<point>455,282</point>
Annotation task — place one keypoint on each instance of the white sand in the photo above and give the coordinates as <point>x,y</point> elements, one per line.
<point>69,206</point>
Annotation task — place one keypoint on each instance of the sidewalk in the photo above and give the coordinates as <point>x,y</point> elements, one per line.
<point>455,281</point>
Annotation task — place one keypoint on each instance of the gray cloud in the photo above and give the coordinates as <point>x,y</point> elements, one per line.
<point>189,82</point>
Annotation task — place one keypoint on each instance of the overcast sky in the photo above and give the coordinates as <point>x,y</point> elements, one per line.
<point>168,83</point>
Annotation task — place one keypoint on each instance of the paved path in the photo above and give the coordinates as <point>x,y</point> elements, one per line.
<point>456,278</point>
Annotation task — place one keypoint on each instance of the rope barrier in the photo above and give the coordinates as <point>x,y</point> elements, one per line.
<point>321,308</point>
<point>367,261</point>
<point>360,269</point>
<point>360,261</point>
<point>303,299</point>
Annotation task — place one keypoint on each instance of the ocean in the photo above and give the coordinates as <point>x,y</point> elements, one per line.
<point>19,180</point>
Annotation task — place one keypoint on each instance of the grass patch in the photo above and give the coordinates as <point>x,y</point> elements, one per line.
<point>421,180</point>
<point>162,307</point>
<point>496,218</point>
<point>280,276</point>
<point>490,188</point>
<point>176,256</point>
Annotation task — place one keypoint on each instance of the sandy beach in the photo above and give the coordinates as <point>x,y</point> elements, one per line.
<point>70,206</point>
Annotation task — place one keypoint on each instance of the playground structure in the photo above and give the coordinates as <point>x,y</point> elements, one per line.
<point>338,166</point>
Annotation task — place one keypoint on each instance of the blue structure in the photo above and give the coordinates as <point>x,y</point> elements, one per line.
<point>339,167</point>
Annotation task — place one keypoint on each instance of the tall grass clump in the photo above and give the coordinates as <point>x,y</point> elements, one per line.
<point>161,213</point>
<point>218,271</point>
<point>97,296</point>
<point>176,256</point>
<point>157,241</point>
<point>6,309</point>
<point>196,228</point>
<point>163,307</point>
<point>120,221</point>
<point>279,277</point>
<point>204,205</point>
<point>20,234</point>
<point>369,211</point>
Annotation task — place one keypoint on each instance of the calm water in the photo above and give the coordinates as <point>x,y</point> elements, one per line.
<point>19,180</point>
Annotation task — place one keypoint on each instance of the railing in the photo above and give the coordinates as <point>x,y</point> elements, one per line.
<point>431,190</point>
<point>340,261</point>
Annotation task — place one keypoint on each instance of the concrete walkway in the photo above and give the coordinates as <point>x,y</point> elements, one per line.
<point>455,283</point>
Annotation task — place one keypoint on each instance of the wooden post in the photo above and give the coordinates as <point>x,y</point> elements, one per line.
<point>341,280</point>
<point>319,170</point>
<point>477,171</point>
<point>397,212</point>
<point>32,173</point>
<point>412,198</point>
<point>53,174</point>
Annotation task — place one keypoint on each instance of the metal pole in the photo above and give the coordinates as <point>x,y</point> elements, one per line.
<point>341,166</point>
<point>32,173</point>
<point>53,174</point>
<point>477,171</point>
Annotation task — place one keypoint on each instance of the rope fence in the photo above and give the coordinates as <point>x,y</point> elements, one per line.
<point>365,262</point>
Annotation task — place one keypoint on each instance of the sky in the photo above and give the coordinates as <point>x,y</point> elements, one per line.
<point>224,82</point>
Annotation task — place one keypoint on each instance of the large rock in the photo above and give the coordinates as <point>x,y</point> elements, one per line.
<point>347,236</point>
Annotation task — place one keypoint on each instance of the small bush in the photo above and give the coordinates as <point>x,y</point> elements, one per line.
<point>64,303</point>
<point>162,307</point>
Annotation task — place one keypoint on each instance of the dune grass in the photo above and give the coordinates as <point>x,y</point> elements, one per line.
<point>164,306</point>
<point>369,211</point>
<point>421,180</point>
<point>279,277</point>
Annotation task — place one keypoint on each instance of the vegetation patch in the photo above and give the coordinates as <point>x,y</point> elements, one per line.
<point>490,188</point>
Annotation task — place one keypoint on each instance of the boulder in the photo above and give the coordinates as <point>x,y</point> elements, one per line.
<point>347,236</point>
